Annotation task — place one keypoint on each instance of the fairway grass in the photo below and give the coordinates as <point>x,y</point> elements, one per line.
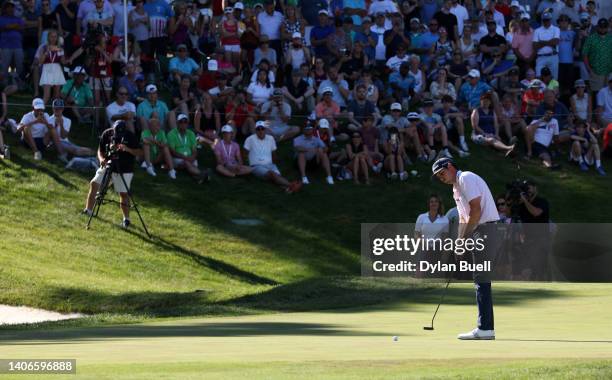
<point>543,331</point>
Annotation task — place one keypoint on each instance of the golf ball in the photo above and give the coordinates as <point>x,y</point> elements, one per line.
<point>395,338</point>
<point>414,172</point>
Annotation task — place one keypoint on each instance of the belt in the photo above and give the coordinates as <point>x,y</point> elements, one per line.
<point>547,55</point>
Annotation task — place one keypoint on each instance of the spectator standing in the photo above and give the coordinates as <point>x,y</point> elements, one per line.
<point>270,22</point>
<point>159,14</point>
<point>597,55</point>
<point>545,42</point>
<point>433,224</point>
<point>51,57</point>
<point>11,37</point>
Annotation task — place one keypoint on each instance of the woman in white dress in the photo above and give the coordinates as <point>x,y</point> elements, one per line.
<point>432,224</point>
<point>51,57</point>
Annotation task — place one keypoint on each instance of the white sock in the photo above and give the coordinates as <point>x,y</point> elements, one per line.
<point>461,139</point>
<point>598,163</point>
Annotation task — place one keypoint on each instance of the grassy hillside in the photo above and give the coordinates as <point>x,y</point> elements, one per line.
<point>199,262</point>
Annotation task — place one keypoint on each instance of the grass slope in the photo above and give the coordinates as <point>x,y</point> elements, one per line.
<point>552,331</point>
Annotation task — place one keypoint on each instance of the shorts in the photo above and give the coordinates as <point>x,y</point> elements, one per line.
<point>118,184</point>
<point>539,149</point>
<point>261,171</point>
<point>38,141</point>
<point>179,162</point>
<point>232,48</point>
<point>98,83</point>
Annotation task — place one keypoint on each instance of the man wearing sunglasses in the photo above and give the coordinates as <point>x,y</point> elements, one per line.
<point>122,109</point>
<point>477,218</point>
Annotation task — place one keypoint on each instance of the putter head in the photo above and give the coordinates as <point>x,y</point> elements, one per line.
<point>429,328</point>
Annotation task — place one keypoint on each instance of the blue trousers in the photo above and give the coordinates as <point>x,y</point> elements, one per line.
<point>484,299</point>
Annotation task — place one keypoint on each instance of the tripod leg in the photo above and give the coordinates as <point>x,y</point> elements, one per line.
<point>131,200</point>
<point>100,194</point>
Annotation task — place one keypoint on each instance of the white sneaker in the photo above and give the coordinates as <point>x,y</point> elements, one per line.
<point>478,334</point>
<point>348,175</point>
<point>305,181</point>
<point>394,175</point>
<point>144,165</point>
<point>464,146</point>
<point>38,156</point>
<point>378,167</point>
<point>151,171</point>
<point>403,176</point>
<point>432,155</point>
<point>330,180</point>
<point>172,174</point>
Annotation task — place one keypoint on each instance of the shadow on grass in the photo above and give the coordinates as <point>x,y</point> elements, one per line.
<point>21,163</point>
<point>229,330</point>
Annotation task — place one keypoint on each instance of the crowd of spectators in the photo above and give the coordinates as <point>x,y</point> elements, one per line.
<point>358,87</point>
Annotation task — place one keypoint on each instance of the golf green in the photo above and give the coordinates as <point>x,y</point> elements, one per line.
<point>543,330</point>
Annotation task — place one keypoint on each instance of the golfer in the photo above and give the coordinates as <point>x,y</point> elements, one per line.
<point>477,218</point>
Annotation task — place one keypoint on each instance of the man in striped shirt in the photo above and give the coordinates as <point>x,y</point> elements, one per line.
<point>159,14</point>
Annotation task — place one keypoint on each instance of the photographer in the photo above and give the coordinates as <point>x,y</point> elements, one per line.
<point>117,151</point>
<point>532,208</point>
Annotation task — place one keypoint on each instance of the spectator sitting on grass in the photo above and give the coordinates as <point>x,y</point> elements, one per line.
<point>585,148</point>
<point>181,64</point>
<point>455,128</point>
<point>183,147</point>
<point>471,91</point>
<point>330,110</point>
<point>357,153</point>
<point>277,113</point>
<point>485,126</point>
<point>261,148</point>
<point>511,118</point>
<point>412,140</point>
<point>310,152</point>
<point>560,111</point>
<point>155,148</point>
<point>62,129</point>
<point>240,113</point>
<point>77,95</point>
<point>153,108</point>
<point>395,155</point>
<point>434,128</point>
<point>37,131</point>
<point>122,109</point>
<point>540,134</point>
<point>228,156</point>
<point>371,138</point>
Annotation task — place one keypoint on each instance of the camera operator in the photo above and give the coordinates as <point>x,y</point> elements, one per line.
<point>533,212</point>
<point>117,151</point>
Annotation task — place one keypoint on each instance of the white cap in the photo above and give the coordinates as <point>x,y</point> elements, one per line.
<point>79,70</point>
<point>151,88</point>
<point>296,35</point>
<point>396,106</point>
<point>324,12</point>
<point>525,16</point>
<point>323,124</point>
<point>536,83</point>
<point>474,73</point>
<point>213,65</point>
<point>227,129</point>
<point>261,123</point>
<point>413,116</point>
<point>181,116</point>
<point>38,104</point>
<point>239,5</point>
<point>515,3</point>
<point>327,89</point>
<point>206,12</point>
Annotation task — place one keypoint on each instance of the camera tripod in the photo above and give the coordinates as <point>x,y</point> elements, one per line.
<point>103,189</point>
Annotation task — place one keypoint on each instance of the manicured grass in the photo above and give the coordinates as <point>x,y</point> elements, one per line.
<point>552,331</point>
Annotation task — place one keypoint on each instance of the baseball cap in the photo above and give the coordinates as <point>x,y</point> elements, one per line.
<point>515,3</point>
<point>227,129</point>
<point>296,35</point>
<point>535,83</point>
<point>260,5</point>
<point>413,116</point>
<point>415,19</point>
<point>277,92</point>
<point>260,124</point>
<point>151,89</point>
<point>546,16</point>
<point>181,46</point>
<point>182,116</point>
<point>428,103</point>
<point>308,126</point>
<point>602,23</point>
<point>366,19</point>
<point>474,73</point>
<point>328,90</point>
<point>79,70</point>
<point>525,16</point>
<point>323,124</point>
<point>396,107</point>
<point>440,165</point>
<point>38,104</point>
<point>324,12</point>
<point>213,65</point>
<point>545,71</point>
<point>239,5</point>
<point>579,83</point>
<point>584,16</point>
<point>58,103</point>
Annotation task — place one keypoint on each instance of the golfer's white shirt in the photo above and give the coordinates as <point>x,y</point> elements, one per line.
<point>470,186</point>
<point>430,229</point>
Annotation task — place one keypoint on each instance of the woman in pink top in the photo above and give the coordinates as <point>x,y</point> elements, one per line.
<point>522,44</point>
<point>227,152</point>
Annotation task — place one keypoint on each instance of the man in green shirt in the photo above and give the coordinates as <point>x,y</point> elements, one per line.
<point>183,147</point>
<point>597,55</point>
<point>155,148</point>
<point>77,95</point>
<point>152,108</point>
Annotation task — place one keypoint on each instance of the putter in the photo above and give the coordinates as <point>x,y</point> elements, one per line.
<point>430,328</point>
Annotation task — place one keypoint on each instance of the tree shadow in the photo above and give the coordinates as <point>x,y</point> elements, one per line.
<point>195,330</point>
<point>22,163</point>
